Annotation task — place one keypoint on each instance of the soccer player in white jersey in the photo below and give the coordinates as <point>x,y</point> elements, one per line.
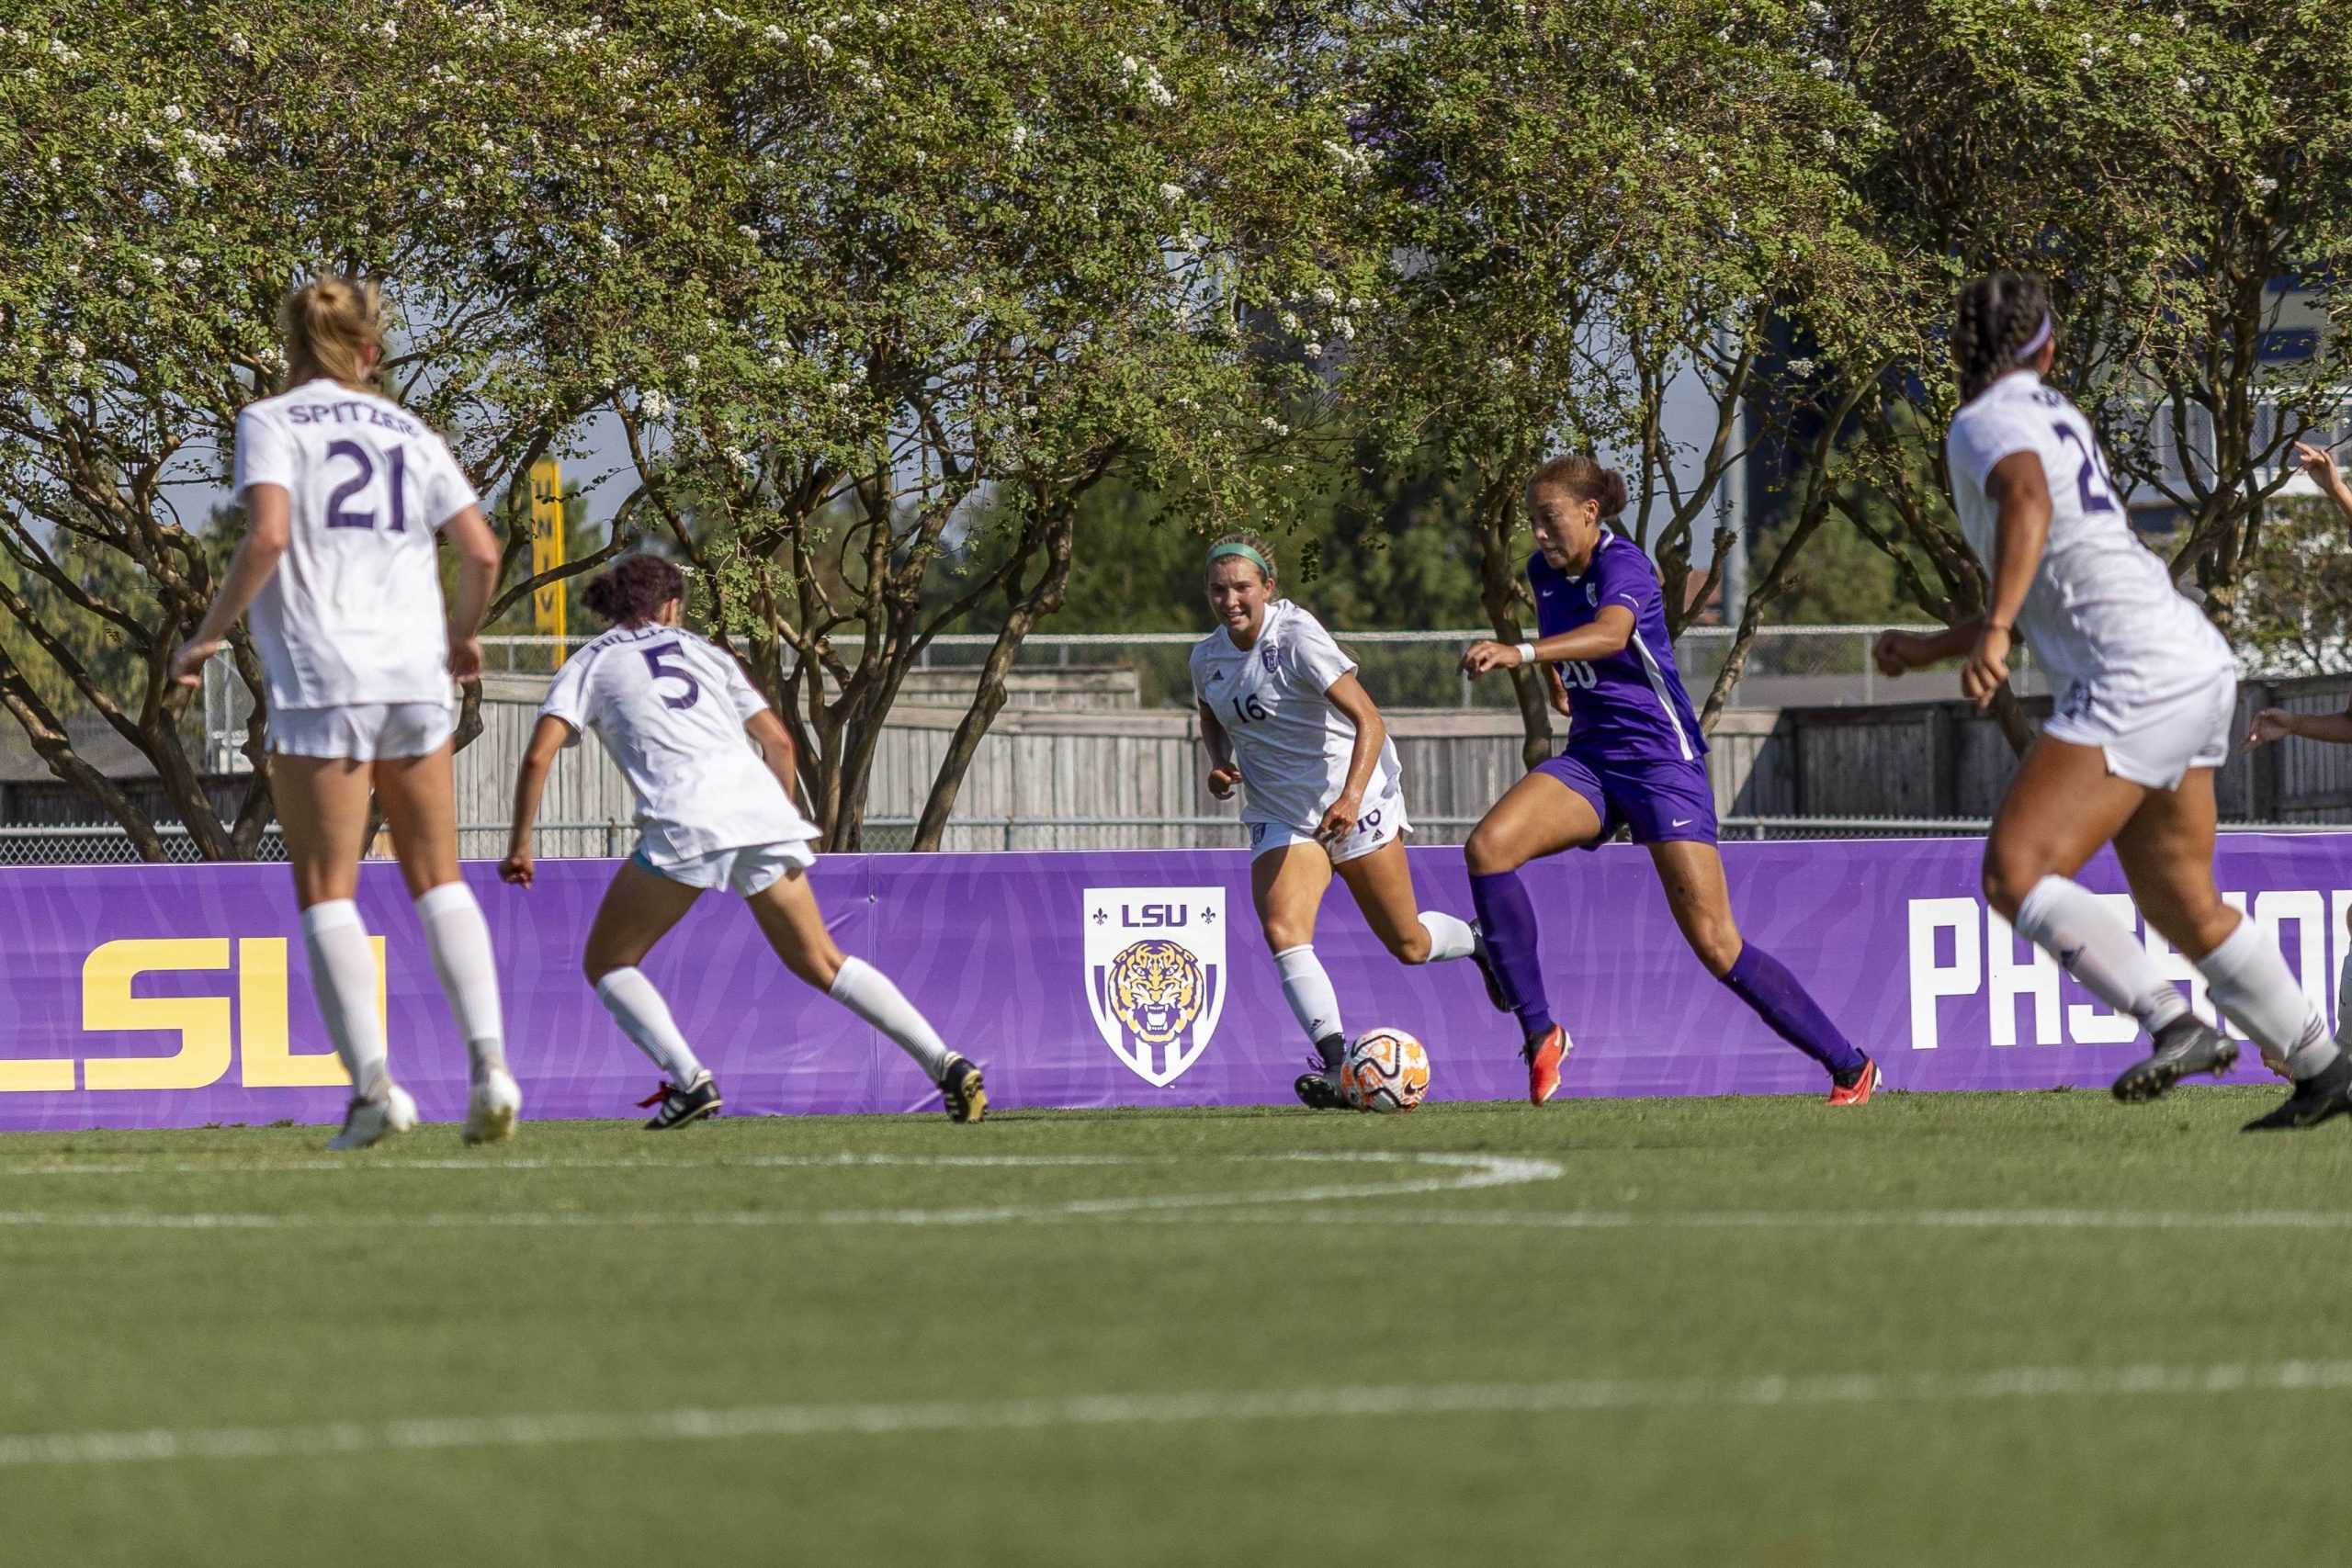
<point>674,711</point>
<point>1284,718</point>
<point>346,493</point>
<point>2147,693</point>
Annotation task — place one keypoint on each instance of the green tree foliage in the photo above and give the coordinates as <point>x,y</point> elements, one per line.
<point>1582,204</point>
<point>172,171</point>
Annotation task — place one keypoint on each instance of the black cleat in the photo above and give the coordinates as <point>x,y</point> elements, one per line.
<point>960,1086</point>
<point>1319,1090</point>
<point>1486,963</point>
<point>680,1106</point>
<point>2325,1093</point>
<point>2183,1046</point>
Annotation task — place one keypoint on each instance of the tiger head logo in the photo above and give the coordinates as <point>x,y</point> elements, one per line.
<point>1156,990</point>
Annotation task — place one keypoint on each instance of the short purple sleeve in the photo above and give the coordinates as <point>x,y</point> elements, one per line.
<point>1621,575</point>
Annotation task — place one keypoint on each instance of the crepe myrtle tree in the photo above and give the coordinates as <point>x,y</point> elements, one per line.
<point>2165,168</point>
<point>172,172</point>
<point>979,263</point>
<point>1584,206</point>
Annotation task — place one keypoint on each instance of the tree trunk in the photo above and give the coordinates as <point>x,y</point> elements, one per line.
<point>1042,599</point>
<point>1498,595</point>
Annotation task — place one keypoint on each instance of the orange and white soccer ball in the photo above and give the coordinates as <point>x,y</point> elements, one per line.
<point>1385,1069</point>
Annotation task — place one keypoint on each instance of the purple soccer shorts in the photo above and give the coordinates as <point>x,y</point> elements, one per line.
<point>1662,802</point>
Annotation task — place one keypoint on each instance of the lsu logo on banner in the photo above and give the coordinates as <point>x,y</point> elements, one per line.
<point>1155,974</point>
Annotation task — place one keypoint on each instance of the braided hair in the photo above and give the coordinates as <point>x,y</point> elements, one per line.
<point>1998,315</point>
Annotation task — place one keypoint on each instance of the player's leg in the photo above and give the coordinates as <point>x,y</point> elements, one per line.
<point>1558,807</point>
<point>2167,855</point>
<point>1289,873</point>
<point>1691,872</point>
<point>322,811</point>
<point>2065,804</point>
<point>1382,884</point>
<point>787,909</point>
<point>420,808</point>
<point>640,908</point>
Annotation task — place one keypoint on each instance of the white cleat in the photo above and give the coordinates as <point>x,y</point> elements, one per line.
<point>368,1121</point>
<point>497,1100</point>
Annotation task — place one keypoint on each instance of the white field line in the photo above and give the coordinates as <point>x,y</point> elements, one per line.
<point>724,1162</point>
<point>1367,1402</point>
<point>1448,1173</point>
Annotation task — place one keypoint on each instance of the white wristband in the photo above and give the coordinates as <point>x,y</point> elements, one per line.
<point>1526,654</point>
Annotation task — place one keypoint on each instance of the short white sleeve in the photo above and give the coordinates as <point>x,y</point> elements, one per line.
<point>1982,436</point>
<point>739,690</point>
<point>450,491</point>
<point>265,451</point>
<point>567,697</point>
<point>1314,658</point>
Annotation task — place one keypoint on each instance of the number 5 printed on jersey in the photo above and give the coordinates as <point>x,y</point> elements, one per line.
<point>675,673</point>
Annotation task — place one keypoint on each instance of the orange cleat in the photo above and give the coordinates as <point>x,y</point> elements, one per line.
<point>1858,1092</point>
<point>1545,1057</point>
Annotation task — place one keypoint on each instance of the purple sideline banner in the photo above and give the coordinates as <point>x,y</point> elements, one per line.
<point>177,996</point>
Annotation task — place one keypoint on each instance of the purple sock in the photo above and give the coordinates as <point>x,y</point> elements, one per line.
<point>1507,920</point>
<point>1764,983</point>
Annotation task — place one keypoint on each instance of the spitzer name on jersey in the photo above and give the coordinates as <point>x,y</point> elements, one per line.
<point>353,410</point>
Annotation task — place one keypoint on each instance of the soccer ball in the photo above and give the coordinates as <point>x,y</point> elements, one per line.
<point>1384,1069</point>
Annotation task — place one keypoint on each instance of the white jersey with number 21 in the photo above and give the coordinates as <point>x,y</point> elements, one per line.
<point>353,613</point>
<point>2103,616</point>
<point>670,706</point>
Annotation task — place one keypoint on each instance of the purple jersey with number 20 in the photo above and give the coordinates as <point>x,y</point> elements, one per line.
<point>1630,706</point>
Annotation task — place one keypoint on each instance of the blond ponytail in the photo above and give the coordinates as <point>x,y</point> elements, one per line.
<point>328,325</point>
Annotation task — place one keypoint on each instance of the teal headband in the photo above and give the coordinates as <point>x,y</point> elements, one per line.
<point>1235,547</point>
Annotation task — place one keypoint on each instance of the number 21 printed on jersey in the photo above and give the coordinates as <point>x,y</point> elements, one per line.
<point>395,459</point>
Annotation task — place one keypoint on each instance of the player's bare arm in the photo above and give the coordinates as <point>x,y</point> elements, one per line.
<point>2022,489</point>
<point>270,530</point>
<point>776,750</point>
<point>1223,777</point>
<point>2278,723</point>
<point>1897,653</point>
<point>1609,632</point>
<point>1348,695</point>
<point>547,738</point>
<point>477,550</point>
<point>2320,464</point>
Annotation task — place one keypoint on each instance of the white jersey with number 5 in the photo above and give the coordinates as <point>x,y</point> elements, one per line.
<point>670,706</point>
<point>2103,615</point>
<point>1292,745</point>
<point>353,613</point>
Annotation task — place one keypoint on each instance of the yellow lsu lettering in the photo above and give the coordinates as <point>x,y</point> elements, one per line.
<point>202,1024</point>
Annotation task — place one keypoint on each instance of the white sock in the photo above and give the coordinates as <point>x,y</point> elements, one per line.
<point>2065,919</point>
<point>868,992</point>
<point>342,973</point>
<point>1449,936</point>
<point>1308,990</point>
<point>2252,984</point>
<point>458,938</point>
<point>645,1018</point>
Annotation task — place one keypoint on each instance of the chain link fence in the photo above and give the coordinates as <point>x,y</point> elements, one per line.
<point>1403,669</point>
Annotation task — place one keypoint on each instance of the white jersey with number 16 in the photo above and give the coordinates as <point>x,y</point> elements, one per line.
<point>353,613</point>
<point>670,706</point>
<point>2103,615</point>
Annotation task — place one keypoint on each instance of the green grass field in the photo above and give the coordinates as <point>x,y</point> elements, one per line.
<point>1953,1329</point>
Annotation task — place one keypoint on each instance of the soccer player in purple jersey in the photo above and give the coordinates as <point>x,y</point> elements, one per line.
<point>1635,759</point>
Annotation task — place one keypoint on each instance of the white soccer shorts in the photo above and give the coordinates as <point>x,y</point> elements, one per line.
<point>363,732</point>
<point>1374,828</point>
<point>746,871</point>
<point>2153,744</point>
